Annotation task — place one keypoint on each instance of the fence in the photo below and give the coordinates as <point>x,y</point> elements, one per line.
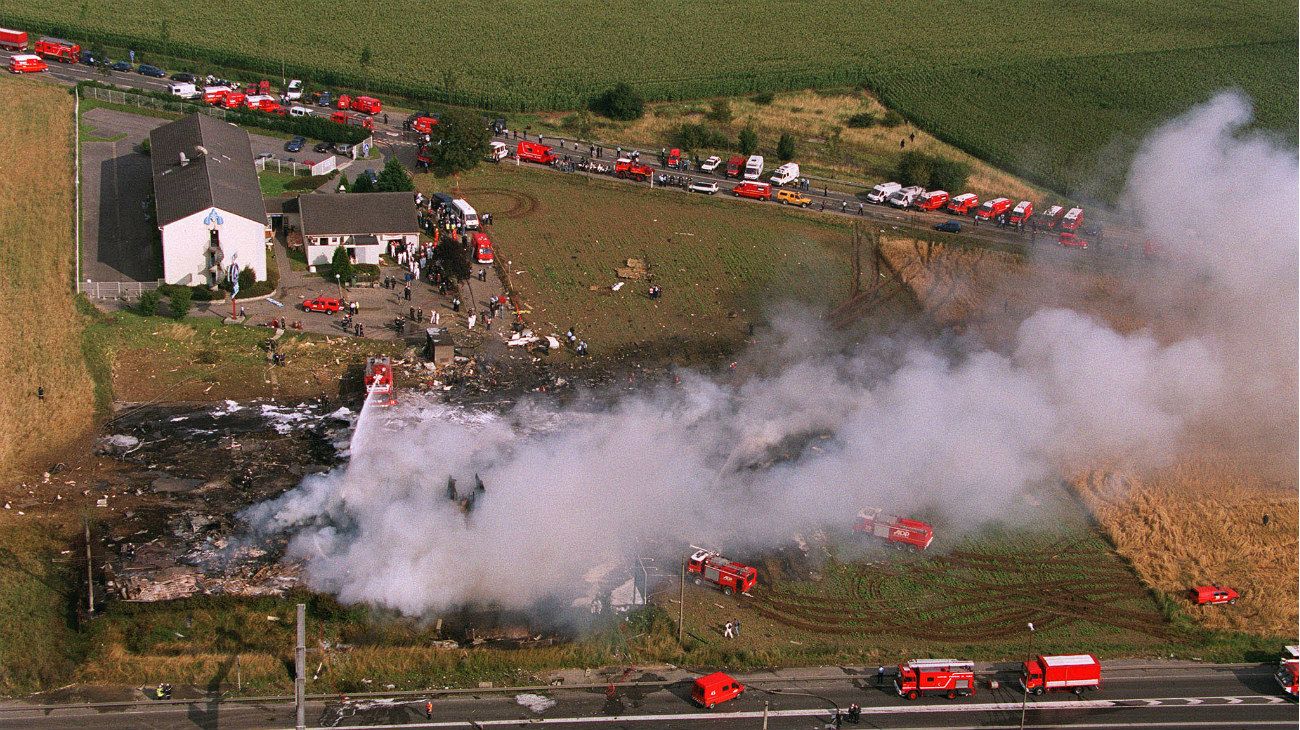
<point>148,102</point>
<point>275,164</point>
<point>118,290</point>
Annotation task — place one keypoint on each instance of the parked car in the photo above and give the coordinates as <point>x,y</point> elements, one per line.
<point>183,77</point>
<point>325,99</point>
<point>949,227</point>
<point>711,164</point>
<point>147,70</point>
<point>713,689</point>
<point>120,66</point>
<point>90,59</point>
<point>264,155</point>
<point>295,144</point>
<point>483,251</point>
<point>323,147</point>
<point>703,186</point>
<point>793,197</point>
<point>344,148</point>
<point>328,305</point>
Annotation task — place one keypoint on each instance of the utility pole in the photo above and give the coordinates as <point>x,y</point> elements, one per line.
<point>90,573</point>
<point>764,714</point>
<point>300,667</point>
<point>1024,700</point>
<point>681,604</point>
<point>76,186</point>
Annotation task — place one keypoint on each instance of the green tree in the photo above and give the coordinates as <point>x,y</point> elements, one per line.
<point>148,304</point>
<point>181,299</point>
<point>394,178</point>
<point>458,142</point>
<point>748,141</point>
<point>452,256</point>
<point>247,278</point>
<point>915,168</point>
<point>341,265</point>
<point>720,111</point>
<point>785,147</point>
<point>621,102</point>
<point>948,174</point>
<point>361,184</point>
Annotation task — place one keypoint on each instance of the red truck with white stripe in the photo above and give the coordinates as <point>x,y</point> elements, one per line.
<point>993,208</point>
<point>951,678</point>
<point>57,49</point>
<point>1021,214</point>
<point>710,567</point>
<point>352,120</point>
<point>1073,220</point>
<point>13,40</point>
<point>933,200</point>
<point>534,152</point>
<point>963,204</point>
<point>1061,673</point>
<point>1288,670</point>
<point>901,531</point>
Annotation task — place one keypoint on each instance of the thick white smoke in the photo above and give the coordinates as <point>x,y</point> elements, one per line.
<point>906,426</point>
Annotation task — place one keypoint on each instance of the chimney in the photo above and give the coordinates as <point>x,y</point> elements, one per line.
<point>184,160</point>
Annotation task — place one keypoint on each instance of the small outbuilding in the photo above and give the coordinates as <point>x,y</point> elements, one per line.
<point>363,223</point>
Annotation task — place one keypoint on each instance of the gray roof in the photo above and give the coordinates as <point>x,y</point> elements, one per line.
<point>358,214</point>
<point>218,173</point>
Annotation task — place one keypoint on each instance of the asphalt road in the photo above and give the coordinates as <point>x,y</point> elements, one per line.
<point>1182,697</point>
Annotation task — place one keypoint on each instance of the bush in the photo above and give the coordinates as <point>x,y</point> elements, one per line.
<point>720,111</point>
<point>341,264</point>
<point>892,119</point>
<point>861,120</point>
<point>144,148</point>
<point>452,256</point>
<point>361,184</point>
<point>764,98</point>
<point>394,178</point>
<point>247,279</point>
<point>148,304</point>
<point>622,103</point>
<point>748,141</point>
<point>932,172</point>
<point>309,182</point>
<point>181,302</point>
<point>690,136</point>
<point>785,147</point>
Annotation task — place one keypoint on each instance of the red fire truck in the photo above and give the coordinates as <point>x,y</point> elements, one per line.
<point>13,40</point>
<point>1069,673</point>
<point>901,531</point>
<point>1021,214</point>
<point>963,204</point>
<point>993,208</point>
<point>352,119</point>
<point>952,678</point>
<point>366,104</point>
<point>58,49</point>
<point>674,158</point>
<point>933,200</point>
<point>422,124</point>
<point>379,381</point>
<point>626,168</point>
<point>1213,595</point>
<point>1288,670</point>
<point>1073,219</point>
<point>736,166</point>
<point>535,152</point>
<point>732,577</point>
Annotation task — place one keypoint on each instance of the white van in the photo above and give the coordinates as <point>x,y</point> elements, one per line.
<point>785,174</point>
<point>299,111</point>
<point>294,90</point>
<point>497,151</point>
<point>881,192</point>
<point>906,197</point>
<point>184,90</point>
<point>465,213</point>
<point>754,167</point>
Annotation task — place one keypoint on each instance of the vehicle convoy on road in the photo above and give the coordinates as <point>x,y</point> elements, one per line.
<point>900,531</point>
<point>951,678</point>
<point>710,567</point>
<point>1065,673</point>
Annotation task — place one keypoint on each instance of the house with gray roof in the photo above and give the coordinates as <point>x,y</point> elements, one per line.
<point>365,224</point>
<point>210,210</point>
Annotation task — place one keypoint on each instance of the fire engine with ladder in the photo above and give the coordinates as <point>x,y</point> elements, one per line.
<point>951,678</point>
<point>900,531</point>
<point>379,381</point>
<point>710,567</point>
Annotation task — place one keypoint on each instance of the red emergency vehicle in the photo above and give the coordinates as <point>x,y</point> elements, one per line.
<point>713,689</point>
<point>263,103</point>
<point>58,49</point>
<point>1072,240</point>
<point>1073,219</point>
<point>1213,595</point>
<point>535,152</point>
<point>901,531</point>
<point>483,251</point>
<point>1288,670</point>
<point>234,99</point>
<point>674,158</point>
<point>732,577</point>
<point>13,40</point>
<point>963,204</point>
<point>423,125</point>
<point>952,678</point>
<point>215,95</point>
<point>263,87</point>
<point>344,102</point>
<point>328,305</point>
<point>1051,218</point>
<point>1021,214</point>
<point>625,168</point>
<point>933,200</point>
<point>26,63</point>
<point>736,166</point>
<point>1069,673</point>
<point>366,105</point>
<point>353,120</point>
<point>379,381</point>
<point>755,190</point>
<point>993,208</point>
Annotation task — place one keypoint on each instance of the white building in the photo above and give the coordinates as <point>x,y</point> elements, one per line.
<point>209,204</point>
<point>363,223</point>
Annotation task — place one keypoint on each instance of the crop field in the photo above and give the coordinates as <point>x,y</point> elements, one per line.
<point>1055,91</point>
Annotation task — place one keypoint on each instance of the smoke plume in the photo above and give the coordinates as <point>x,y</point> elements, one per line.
<point>913,426</point>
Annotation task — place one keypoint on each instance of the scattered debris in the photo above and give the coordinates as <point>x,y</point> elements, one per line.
<point>534,702</point>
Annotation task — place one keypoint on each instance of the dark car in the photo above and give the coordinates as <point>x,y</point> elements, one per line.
<point>949,227</point>
<point>90,59</point>
<point>323,147</point>
<point>295,144</point>
<point>325,99</point>
<point>147,70</point>
<point>184,78</point>
<point>120,66</point>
